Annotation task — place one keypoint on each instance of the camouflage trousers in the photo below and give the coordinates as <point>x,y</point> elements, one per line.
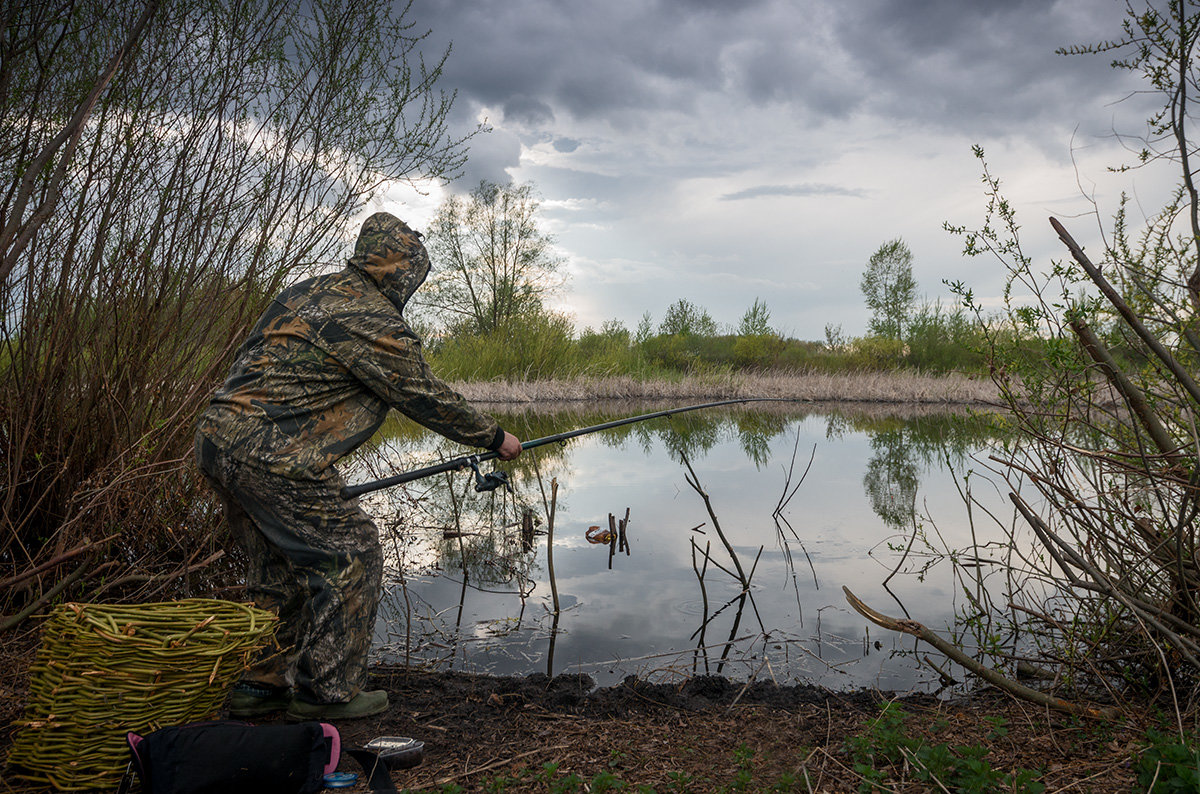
<point>315,560</point>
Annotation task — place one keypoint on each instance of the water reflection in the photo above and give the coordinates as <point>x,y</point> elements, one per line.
<point>745,594</point>
<point>735,520</point>
<point>892,479</point>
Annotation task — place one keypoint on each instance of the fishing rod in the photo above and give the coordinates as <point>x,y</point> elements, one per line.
<point>498,479</point>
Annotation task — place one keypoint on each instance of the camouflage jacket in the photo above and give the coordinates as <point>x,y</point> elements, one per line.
<point>330,355</point>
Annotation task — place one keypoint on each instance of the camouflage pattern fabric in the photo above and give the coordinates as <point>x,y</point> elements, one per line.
<point>317,374</point>
<point>313,381</point>
<point>315,560</point>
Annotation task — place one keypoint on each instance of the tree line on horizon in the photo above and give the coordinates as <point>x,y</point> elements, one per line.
<point>485,313</point>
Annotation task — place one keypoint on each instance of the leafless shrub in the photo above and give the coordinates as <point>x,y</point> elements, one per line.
<point>168,167</point>
<point>1105,594</point>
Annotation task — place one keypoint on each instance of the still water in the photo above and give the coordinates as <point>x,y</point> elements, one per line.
<point>802,504</point>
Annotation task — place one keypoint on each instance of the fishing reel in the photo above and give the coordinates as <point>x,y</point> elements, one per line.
<point>490,481</point>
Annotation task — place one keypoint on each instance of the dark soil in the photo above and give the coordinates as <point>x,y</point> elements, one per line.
<point>481,732</point>
<point>518,734</point>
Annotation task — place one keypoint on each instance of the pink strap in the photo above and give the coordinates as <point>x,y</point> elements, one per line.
<point>335,747</point>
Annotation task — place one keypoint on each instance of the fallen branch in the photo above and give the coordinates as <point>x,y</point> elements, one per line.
<point>1182,376</point>
<point>486,767</point>
<point>1134,397</point>
<point>954,653</point>
<point>11,621</point>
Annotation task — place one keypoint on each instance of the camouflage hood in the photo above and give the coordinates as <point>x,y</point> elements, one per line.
<point>392,256</point>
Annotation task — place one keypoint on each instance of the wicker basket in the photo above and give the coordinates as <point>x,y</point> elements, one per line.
<point>106,669</point>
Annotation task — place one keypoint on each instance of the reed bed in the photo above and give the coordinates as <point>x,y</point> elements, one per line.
<point>856,387</point>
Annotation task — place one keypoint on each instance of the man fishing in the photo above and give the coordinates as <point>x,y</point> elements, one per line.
<point>313,382</point>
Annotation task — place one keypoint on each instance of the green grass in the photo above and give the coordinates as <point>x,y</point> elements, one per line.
<point>552,779</point>
<point>1166,764</point>
<point>885,754</point>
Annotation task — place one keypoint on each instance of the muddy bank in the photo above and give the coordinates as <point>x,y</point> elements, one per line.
<point>577,694</point>
<point>531,733</point>
<point>538,734</point>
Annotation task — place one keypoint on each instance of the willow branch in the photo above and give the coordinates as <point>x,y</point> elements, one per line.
<point>1134,397</point>
<point>1181,375</point>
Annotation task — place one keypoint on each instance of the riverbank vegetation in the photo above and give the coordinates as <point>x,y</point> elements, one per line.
<point>541,345</point>
<point>1104,612</point>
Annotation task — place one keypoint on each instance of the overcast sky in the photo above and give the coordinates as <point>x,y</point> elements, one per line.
<point>728,150</point>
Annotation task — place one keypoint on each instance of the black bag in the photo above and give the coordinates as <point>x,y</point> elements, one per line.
<point>233,757</point>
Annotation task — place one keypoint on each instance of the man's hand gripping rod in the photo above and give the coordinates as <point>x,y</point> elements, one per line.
<point>497,479</point>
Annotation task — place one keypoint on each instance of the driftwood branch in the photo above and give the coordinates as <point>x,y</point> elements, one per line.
<point>12,621</point>
<point>956,654</point>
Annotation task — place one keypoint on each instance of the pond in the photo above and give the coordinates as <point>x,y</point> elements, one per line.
<point>800,502</point>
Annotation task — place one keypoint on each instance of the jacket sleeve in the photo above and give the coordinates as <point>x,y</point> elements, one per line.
<point>391,366</point>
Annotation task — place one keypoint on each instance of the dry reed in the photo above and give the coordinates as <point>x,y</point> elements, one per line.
<point>859,387</point>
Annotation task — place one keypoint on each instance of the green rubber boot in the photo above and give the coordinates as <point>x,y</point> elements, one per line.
<point>249,700</point>
<point>364,704</point>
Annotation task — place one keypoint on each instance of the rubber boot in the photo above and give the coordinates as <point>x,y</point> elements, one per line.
<point>253,700</point>
<point>364,704</point>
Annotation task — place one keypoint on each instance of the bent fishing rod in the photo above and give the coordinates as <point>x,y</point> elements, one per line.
<point>497,479</point>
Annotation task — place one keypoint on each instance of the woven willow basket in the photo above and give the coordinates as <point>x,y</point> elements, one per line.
<point>106,669</point>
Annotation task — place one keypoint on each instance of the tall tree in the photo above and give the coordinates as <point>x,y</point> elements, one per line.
<point>756,321</point>
<point>684,318</point>
<point>492,262</point>
<point>889,288</point>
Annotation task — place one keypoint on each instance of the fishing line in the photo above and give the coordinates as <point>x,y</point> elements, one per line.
<point>498,479</point>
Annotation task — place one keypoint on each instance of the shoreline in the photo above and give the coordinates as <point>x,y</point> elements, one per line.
<point>536,730</point>
<point>894,388</point>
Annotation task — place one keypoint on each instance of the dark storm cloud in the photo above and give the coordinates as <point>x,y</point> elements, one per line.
<point>982,68</point>
<point>985,71</point>
<point>588,58</point>
<point>527,111</point>
<point>626,59</point>
<point>794,190</point>
<point>942,62</point>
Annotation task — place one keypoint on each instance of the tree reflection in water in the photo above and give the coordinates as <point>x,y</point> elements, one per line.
<point>457,557</point>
